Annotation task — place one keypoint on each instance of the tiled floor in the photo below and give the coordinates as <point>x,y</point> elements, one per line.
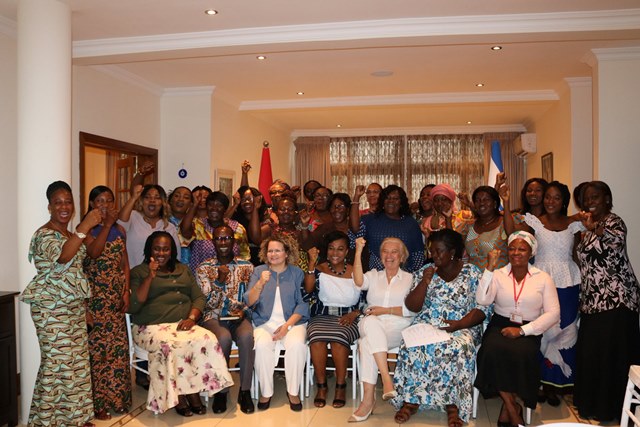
<point>279,415</point>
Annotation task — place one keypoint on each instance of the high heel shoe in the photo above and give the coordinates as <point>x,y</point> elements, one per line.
<point>359,418</point>
<point>389,395</point>
<point>295,407</point>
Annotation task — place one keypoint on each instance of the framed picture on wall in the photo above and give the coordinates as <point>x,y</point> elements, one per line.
<point>225,182</point>
<point>547,167</point>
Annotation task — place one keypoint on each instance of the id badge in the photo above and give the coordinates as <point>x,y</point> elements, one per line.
<point>516,318</point>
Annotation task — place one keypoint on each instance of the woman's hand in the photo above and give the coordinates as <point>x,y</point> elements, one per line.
<point>110,218</point>
<point>313,257</point>
<point>504,192</point>
<point>359,192</point>
<point>153,267</point>
<point>492,259</point>
<point>501,179</point>
<point>280,333</point>
<point>235,199</point>
<point>304,217</point>
<point>92,219</point>
<point>465,201</point>
<point>511,332</point>
<point>588,222</point>
<point>348,319</point>
<point>360,242</point>
<point>257,202</point>
<point>186,324</point>
<point>146,168</point>
<point>454,325</point>
<point>427,275</point>
<point>245,166</point>
<point>376,310</point>
<point>424,227</point>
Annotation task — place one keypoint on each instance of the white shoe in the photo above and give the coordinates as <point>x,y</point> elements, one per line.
<point>389,395</point>
<point>357,418</point>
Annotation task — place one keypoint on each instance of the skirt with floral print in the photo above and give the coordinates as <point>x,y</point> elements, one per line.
<point>181,362</point>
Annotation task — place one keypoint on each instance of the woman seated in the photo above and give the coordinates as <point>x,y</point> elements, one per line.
<point>334,315</point>
<point>279,317</point>
<point>166,303</point>
<point>386,317</point>
<point>508,358</point>
<point>440,375</point>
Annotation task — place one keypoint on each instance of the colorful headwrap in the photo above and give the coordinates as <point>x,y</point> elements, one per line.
<point>443,190</point>
<point>527,237</point>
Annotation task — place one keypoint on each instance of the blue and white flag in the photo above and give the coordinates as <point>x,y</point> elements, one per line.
<point>495,164</point>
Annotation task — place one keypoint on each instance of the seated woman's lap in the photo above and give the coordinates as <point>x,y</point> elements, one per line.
<point>326,328</point>
<point>240,332</point>
<point>381,334</point>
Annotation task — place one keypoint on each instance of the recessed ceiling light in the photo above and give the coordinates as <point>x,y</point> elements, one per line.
<point>496,47</point>
<point>211,12</point>
<point>261,57</point>
<point>300,93</point>
<point>479,84</point>
<point>469,122</point>
<point>382,73</point>
<point>338,126</point>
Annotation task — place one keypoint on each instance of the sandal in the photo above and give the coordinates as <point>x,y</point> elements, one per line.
<point>196,404</point>
<point>320,402</point>
<point>182,408</point>
<point>337,401</point>
<point>453,416</point>
<point>405,413</point>
<point>503,414</point>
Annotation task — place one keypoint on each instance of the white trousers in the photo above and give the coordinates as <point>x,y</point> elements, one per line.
<point>295,357</point>
<point>377,334</point>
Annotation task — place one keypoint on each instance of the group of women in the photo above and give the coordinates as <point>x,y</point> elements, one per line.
<point>197,271</point>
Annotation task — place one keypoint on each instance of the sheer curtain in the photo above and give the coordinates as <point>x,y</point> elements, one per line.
<point>363,160</point>
<point>312,159</point>
<point>514,166</point>
<point>457,160</point>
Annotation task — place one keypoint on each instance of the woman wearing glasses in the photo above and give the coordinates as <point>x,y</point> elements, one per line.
<point>279,317</point>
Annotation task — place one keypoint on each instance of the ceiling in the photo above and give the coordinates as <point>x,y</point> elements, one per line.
<point>437,51</point>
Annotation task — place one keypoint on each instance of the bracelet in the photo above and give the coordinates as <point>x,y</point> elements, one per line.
<point>192,317</point>
<point>355,203</point>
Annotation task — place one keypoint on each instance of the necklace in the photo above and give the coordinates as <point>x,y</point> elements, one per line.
<point>488,222</point>
<point>63,232</point>
<point>344,270</point>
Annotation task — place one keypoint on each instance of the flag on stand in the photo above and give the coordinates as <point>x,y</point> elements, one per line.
<point>495,164</point>
<point>266,178</point>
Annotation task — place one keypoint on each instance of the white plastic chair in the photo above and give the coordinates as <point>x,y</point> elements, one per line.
<point>631,397</point>
<point>353,369</point>
<point>280,349</point>
<point>392,356</point>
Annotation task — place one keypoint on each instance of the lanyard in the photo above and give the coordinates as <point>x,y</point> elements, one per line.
<point>517,297</point>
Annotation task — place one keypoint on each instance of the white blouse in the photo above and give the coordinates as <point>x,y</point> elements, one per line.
<point>537,302</point>
<point>390,294</point>
<point>338,291</point>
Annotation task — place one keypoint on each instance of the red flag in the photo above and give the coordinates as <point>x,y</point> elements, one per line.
<point>266,178</point>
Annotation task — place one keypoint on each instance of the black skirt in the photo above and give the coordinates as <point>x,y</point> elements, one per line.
<point>507,364</point>
<point>608,343</point>
<point>327,329</point>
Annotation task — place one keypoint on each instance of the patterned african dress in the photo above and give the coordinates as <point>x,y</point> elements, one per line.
<point>441,374</point>
<point>62,393</point>
<point>478,245</point>
<point>108,343</point>
<point>202,242</point>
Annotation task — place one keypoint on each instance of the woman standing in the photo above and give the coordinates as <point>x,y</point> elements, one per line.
<point>439,375</point>
<point>279,317</point>
<point>608,339</point>
<point>525,304</point>
<point>320,212</point>
<point>385,318</point>
<point>166,304</point>
<point>531,197</point>
<point>108,272</point>
<point>62,393</point>
<point>334,317</point>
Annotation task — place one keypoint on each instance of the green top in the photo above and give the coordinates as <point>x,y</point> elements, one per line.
<point>171,296</point>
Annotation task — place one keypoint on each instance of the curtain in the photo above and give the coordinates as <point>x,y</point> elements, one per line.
<point>514,166</point>
<point>363,160</point>
<point>456,160</point>
<point>312,160</point>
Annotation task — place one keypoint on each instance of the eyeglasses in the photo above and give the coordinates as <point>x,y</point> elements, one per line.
<point>321,196</point>
<point>274,251</point>
<point>222,238</point>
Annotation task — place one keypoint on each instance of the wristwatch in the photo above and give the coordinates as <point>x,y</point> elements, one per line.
<point>81,235</point>
<point>521,332</point>
<point>192,317</point>
<point>289,327</point>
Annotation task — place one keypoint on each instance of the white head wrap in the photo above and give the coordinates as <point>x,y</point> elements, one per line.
<point>527,237</point>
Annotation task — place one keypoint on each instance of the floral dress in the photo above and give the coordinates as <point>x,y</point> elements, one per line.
<point>441,374</point>
<point>62,393</point>
<point>108,343</point>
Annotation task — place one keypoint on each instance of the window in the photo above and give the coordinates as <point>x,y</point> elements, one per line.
<point>409,161</point>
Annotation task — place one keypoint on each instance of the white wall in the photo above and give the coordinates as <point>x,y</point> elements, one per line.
<point>617,136</point>
<point>186,138</point>
<point>8,164</point>
<point>105,106</point>
<point>238,136</point>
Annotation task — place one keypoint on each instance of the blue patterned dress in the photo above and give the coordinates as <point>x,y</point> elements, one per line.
<point>441,374</point>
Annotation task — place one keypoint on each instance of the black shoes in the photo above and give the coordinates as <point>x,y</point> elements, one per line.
<point>264,405</point>
<point>295,407</point>
<point>246,404</point>
<point>183,408</point>
<point>219,403</point>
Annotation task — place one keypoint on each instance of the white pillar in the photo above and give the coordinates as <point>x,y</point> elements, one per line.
<point>581,130</point>
<point>616,131</point>
<point>44,144</point>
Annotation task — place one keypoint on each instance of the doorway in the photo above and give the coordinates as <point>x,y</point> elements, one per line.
<point>110,162</point>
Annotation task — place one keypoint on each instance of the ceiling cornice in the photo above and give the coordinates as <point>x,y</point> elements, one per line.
<point>128,77</point>
<point>601,20</point>
<point>410,99</point>
<point>189,91</point>
<point>617,54</point>
<point>8,27</point>
<point>431,130</point>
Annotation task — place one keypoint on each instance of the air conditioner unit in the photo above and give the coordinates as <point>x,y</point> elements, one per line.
<point>524,144</point>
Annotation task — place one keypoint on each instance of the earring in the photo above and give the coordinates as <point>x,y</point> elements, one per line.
<point>452,257</point>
